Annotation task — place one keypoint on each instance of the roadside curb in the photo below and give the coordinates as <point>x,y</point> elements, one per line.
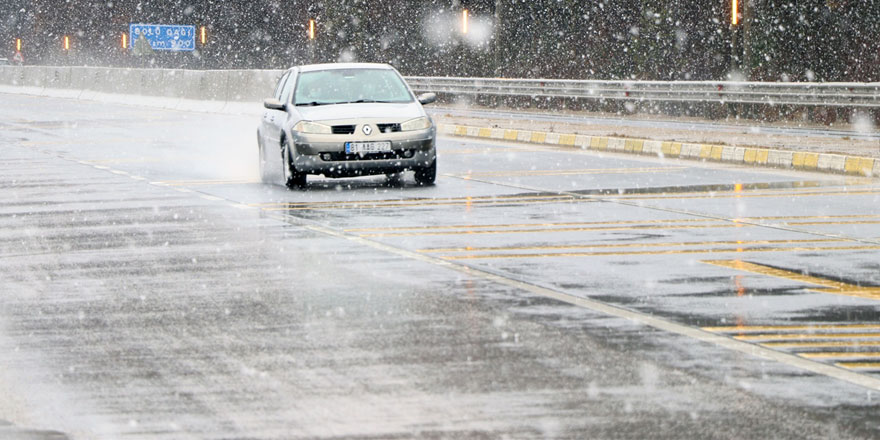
<point>823,162</point>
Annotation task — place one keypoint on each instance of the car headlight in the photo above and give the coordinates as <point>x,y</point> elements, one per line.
<point>312,127</point>
<point>415,124</point>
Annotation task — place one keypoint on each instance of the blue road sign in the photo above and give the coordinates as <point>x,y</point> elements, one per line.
<point>164,36</point>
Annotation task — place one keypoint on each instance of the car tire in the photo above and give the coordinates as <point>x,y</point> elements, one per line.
<point>426,175</point>
<point>293,179</point>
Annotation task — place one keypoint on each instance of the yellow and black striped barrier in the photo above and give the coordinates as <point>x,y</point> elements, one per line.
<point>826,162</point>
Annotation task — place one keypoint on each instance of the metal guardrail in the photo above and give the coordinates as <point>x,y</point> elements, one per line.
<point>723,92</point>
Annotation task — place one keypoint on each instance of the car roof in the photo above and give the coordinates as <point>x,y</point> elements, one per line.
<point>335,66</point>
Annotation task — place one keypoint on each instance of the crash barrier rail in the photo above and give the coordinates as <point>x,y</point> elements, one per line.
<point>226,90</point>
<point>806,94</point>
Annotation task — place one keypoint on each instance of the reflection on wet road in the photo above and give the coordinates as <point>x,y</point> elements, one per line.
<point>152,288</point>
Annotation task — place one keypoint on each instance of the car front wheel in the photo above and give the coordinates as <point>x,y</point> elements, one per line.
<point>293,179</point>
<point>426,175</point>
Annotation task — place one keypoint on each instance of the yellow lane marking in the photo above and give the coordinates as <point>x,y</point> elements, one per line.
<point>871,365</point>
<point>764,188</point>
<point>120,161</point>
<point>414,200</point>
<point>202,182</point>
<point>530,225</point>
<point>484,203</point>
<point>801,336</point>
<point>765,328</point>
<point>840,222</point>
<point>728,195</point>
<point>821,344</point>
<point>404,203</point>
<point>625,245</point>
<point>863,380</point>
<point>831,286</point>
<point>77,141</point>
<point>863,292</point>
<point>516,173</point>
<point>827,217</point>
<point>844,339</point>
<point>841,354</point>
<point>529,231</point>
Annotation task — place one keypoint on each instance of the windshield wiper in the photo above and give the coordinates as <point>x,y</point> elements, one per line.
<point>359,101</point>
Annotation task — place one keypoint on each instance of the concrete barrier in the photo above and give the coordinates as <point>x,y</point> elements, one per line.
<point>30,79</point>
<point>185,84</point>
<point>112,88</point>
<point>207,91</point>
<point>236,91</point>
<point>6,75</point>
<point>60,83</point>
<point>155,88</point>
<point>248,87</point>
<point>78,81</point>
<point>93,78</point>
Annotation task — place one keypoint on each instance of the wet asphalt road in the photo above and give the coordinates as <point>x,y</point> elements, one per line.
<point>151,288</point>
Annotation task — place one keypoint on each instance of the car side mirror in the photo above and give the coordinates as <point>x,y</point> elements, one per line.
<point>274,104</point>
<point>427,98</point>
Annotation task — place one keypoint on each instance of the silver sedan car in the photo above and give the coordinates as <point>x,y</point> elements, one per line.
<point>345,120</point>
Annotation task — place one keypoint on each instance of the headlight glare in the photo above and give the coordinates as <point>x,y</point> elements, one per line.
<point>312,128</point>
<point>415,124</point>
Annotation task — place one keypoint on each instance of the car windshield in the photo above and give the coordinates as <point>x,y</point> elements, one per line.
<point>342,86</point>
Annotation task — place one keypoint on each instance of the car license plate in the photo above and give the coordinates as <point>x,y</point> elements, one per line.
<point>367,147</point>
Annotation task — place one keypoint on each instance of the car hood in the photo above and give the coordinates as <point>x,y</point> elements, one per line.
<point>404,111</point>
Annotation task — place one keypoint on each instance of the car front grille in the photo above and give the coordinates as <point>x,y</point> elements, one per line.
<point>342,129</point>
<point>388,128</point>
